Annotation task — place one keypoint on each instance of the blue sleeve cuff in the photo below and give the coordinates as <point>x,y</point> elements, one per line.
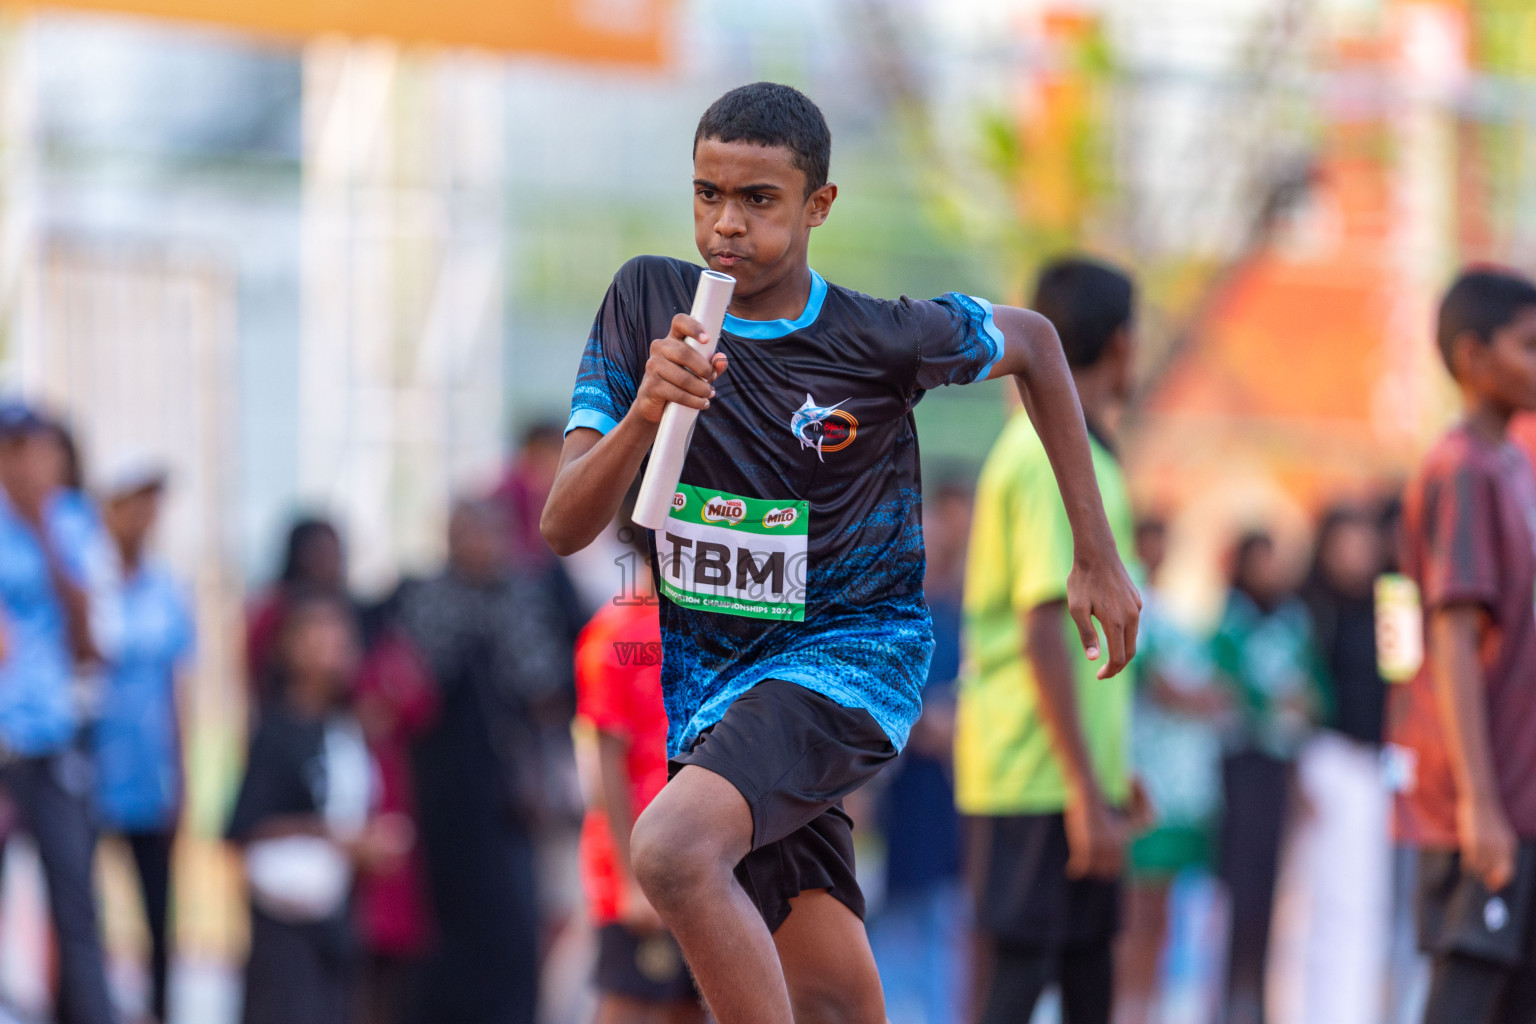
<point>994,337</point>
<point>594,420</point>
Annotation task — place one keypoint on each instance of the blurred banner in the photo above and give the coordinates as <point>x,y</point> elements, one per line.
<point>617,31</point>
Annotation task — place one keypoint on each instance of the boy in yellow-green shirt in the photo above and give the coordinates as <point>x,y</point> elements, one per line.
<point>1041,750</point>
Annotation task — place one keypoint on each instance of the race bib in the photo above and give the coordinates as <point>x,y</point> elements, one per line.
<point>735,556</point>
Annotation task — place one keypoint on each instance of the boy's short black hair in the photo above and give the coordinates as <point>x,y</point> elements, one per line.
<point>1087,301</point>
<point>1482,302</point>
<point>769,114</point>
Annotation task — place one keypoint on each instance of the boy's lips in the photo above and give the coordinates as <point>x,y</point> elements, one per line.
<point>726,259</point>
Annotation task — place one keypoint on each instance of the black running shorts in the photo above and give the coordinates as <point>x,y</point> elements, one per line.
<point>648,968</point>
<point>793,755</point>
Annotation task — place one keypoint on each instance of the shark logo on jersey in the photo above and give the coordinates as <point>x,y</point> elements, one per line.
<point>823,427</point>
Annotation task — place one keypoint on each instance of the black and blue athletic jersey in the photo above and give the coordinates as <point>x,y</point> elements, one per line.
<point>796,548</point>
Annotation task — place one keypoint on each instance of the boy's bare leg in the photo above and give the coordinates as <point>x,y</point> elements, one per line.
<point>827,963</point>
<point>684,848</point>
<point>612,1009</point>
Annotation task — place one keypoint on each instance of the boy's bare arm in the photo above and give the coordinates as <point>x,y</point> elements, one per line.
<point>613,778</point>
<point>1487,841</point>
<point>1095,836</point>
<point>596,469</point>
<point>1099,586</point>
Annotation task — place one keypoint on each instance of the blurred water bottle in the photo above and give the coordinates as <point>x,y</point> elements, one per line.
<point>1399,628</point>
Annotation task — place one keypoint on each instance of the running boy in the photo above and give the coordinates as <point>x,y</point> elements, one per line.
<point>794,631</point>
<point>1469,716</point>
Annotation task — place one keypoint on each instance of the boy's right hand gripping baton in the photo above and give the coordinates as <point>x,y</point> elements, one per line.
<point>671,445</point>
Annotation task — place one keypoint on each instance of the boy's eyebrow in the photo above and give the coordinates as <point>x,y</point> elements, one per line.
<point>742,190</point>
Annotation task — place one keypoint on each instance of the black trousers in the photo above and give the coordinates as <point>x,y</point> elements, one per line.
<point>298,973</point>
<point>152,862</point>
<point>1467,989</point>
<point>1256,792</point>
<point>481,873</point>
<point>1045,928</point>
<point>53,795</point>
<point>1021,974</point>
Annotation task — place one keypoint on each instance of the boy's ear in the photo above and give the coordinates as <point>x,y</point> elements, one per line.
<point>1467,350</point>
<point>1122,344</point>
<point>819,204</point>
<point>1122,349</point>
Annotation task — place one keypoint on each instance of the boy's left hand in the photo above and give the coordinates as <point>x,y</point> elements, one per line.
<point>1100,588</point>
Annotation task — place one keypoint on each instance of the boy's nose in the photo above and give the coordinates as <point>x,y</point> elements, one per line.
<point>731,222</point>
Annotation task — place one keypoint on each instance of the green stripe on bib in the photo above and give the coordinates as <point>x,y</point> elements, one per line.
<point>735,556</point>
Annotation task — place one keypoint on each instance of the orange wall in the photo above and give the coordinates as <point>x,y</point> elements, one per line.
<point>610,31</point>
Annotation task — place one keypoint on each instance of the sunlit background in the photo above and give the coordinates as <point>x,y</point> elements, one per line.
<point>333,257</point>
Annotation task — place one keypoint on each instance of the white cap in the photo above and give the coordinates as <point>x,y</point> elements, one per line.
<point>130,473</point>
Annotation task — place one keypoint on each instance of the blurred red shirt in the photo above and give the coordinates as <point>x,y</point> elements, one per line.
<point>618,691</point>
<point>1469,523</point>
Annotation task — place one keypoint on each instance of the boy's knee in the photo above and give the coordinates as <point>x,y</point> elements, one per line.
<point>833,1003</point>
<point>674,860</point>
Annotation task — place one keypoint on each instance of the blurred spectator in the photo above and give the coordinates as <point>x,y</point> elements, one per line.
<point>77,508</point>
<point>1467,720</point>
<point>640,975</point>
<point>313,561</point>
<point>79,527</point>
<point>919,934</point>
<point>1265,652</point>
<point>493,642</point>
<point>1176,751</point>
<point>46,616</point>
<point>303,819</point>
<point>395,701</point>
<point>1406,967</point>
<point>522,494</point>
<point>137,732</point>
<point>1340,594</point>
<point>1389,532</point>
<point>1041,743</point>
<point>526,488</point>
<point>1336,884</point>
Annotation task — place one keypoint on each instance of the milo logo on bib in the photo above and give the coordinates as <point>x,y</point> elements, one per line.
<point>735,556</point>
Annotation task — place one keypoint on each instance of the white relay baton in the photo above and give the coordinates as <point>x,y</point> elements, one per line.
<point>671,445</point>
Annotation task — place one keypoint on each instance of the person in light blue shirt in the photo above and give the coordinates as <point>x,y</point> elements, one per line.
<point>137,738</point>
<point>45,637</point>
<point>44,555</point>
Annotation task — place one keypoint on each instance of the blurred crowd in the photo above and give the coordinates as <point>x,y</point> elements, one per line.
<point>1207,838</point>
<point>410,763</point>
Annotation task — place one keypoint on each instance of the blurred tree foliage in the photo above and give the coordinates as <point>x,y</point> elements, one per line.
<point>1498,154</point>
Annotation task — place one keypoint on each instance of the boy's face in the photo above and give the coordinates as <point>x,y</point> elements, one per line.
<point>130,517</point>
<point>1505,369</point>
<point>751,216</point>
<point>1151,548</point>
<point>323,646</point>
